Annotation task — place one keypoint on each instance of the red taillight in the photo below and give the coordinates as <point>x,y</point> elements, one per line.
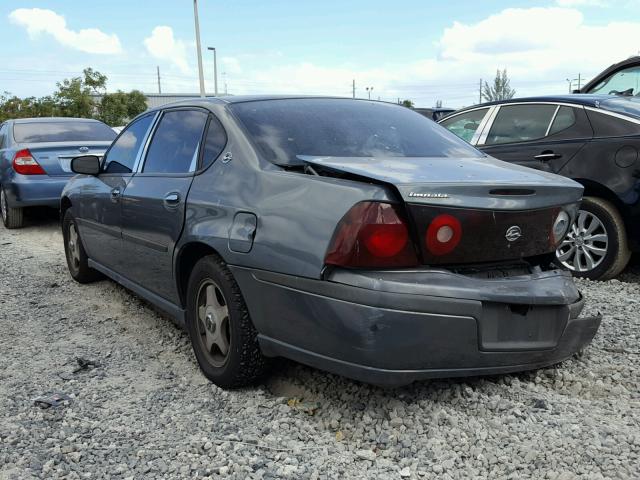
<point>25,164</point>
<point>372,234</point>
<point>443,235</point>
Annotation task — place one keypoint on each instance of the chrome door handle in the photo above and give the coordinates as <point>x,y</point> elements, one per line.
<point>172,199</point>
<point>547,156</point>
<point>115,193</point>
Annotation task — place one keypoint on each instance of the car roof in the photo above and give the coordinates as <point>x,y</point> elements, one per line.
<point>589,100</point>
<point>53,119</point>
<point>232,99</point>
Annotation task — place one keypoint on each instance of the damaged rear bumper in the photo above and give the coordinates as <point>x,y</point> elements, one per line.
<point>392,328</point>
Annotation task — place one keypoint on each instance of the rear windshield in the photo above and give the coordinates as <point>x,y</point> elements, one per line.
<point>41,132</point>
<point>630,106</point>
<point>284,129</point>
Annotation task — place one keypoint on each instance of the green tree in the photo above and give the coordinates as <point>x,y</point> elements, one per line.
<point>407,103</point>
<point>74,94</point>
<point>120,107</point>
<point>500,90</point>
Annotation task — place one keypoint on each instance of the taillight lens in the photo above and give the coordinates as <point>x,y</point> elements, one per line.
<point>372,234</point>
<point>443,235</point>
<point>25,164</point>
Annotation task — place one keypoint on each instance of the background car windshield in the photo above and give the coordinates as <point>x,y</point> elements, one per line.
<point>630,106</point>
<point>41,132</point>
<point>625,81</point>
<point>283,129</point>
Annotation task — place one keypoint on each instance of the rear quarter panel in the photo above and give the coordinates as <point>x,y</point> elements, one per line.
<point>296,213</point>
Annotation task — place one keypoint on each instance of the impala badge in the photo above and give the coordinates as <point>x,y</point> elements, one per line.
<point>513,233</point>
<point>83,149</point>
<point>429,195</point>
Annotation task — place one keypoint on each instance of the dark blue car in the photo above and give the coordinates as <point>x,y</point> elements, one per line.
<point>35,160</point>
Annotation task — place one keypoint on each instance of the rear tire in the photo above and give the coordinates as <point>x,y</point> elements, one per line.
<point>224,340</point>
<point>11,217</point>
<point>77,259</point>
<point>611,230</point>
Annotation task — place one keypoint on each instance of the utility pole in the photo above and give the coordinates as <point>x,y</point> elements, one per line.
<point>159,87</point>
<point>224,77</point>
<point>215,71</point>
<point>480,94</point>
<point>200,71</point>
<point>579,78</point>
<point>353,87</point>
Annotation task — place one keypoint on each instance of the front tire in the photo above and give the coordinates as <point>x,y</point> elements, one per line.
<point>596,246</point>
<point>224,340</point>
<point>11,217</point>
<point>77,259</point>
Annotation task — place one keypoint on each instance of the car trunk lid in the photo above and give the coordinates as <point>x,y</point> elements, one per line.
<point>55,157</point>
<point>505,211</point>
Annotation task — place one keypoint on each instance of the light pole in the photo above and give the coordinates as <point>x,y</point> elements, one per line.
<point>369,90</point>
<point>200,72</point>
<point>215,71</point>
<point>570,84</point>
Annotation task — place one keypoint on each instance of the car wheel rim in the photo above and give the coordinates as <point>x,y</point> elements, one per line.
<point>3,205</point>
<point>73,246</point>
<point>213,323</point>
<point>585,246</point>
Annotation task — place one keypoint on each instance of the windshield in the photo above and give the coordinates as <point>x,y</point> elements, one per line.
<point>284,129</point>
<point>628,105</point>
<point>65,131</point>
<point>624,82</point>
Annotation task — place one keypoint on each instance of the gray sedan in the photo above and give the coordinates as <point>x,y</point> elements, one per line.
<point>354,236</point>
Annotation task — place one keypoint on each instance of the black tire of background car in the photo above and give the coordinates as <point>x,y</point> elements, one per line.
<point>618,252</point>
<point>82,273</point>
<point>245,364</point>
<point>11,217</point>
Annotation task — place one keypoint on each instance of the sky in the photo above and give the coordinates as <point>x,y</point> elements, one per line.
<point>422,50</point>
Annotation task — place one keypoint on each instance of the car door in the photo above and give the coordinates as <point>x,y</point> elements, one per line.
<point>153,205</point>
<point>468,125</point>
<point>100,205</point>
<point>540,136</point>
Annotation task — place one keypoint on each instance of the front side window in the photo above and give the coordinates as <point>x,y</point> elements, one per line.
<point>520,123</point>
<point>465,124</point>
<point>62,131</point>
<point>284,129</point>
<point>625,82</point>
<point>121,157</point>
<point>175,144</point>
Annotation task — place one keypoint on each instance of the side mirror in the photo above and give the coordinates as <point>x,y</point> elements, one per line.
<point>471,126</point>
<point>86,165</point>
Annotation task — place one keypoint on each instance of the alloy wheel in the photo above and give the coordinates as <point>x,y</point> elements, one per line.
<point>585,246</point>
<point>213,323</point>
<point>73,246</point>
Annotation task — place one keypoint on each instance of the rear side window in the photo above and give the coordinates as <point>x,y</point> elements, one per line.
<point>122,155</point>
<point>3,136</point>
<point>466,124</point>
<point>565,118</point>
<point>176,142</point>
<point>520,123</point>
<point>68,131</point>
<point>214,142</point>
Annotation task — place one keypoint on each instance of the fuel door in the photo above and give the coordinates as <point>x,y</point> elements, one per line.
<point>242,233</point>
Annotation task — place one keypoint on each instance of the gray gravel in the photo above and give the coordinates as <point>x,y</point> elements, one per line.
<point>143,410</point>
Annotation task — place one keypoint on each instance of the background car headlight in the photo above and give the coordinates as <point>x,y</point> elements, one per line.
<point>560,226</point>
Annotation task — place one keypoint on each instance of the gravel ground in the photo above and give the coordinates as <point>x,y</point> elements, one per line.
<point>141,409</point>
